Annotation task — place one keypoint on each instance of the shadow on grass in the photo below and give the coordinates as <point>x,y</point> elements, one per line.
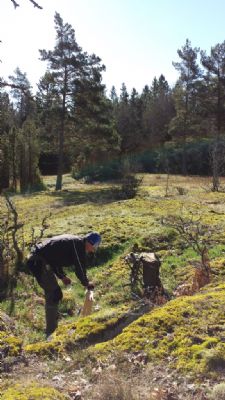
<point>97,196</point>
<point>106,254</point>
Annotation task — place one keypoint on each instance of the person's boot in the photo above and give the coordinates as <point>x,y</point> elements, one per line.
<point>51,313</point>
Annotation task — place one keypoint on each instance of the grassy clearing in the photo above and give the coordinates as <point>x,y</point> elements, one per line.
<point>180,333</point>
<point>79,208</point>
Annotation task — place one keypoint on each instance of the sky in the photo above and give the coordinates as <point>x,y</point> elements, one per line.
<point>137,40</point>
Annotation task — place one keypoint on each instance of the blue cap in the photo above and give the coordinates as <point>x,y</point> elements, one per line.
<point>93,238</point>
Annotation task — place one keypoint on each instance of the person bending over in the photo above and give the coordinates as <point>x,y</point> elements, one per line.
<point>46,263</point>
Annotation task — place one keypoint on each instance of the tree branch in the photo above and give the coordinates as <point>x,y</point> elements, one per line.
<point>44,226</point>
<point>35,4</point>
<point>14,228</point>
<point>24,89</point>
<point>15,3</point>
<point>13,86</point>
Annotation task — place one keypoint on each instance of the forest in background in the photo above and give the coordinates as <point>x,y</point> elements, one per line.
<point>71,125</point>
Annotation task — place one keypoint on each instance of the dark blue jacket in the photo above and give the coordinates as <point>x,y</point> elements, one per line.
<point>63,251</point>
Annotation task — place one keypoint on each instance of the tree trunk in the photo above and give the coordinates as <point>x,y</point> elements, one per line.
<point>3,275</point>
<point>4,167</point>
<point>14,173</point>
<point>215,169</point>
<point>216,156</point>
<point>58,185</point>
<point>184,159</point>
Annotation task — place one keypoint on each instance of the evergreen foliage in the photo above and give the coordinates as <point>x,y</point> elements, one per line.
<point>71,125</point>
<point>65,64</point>
<point>158,160</point>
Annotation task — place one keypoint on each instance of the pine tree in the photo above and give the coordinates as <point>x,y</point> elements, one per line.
<point>215,79</point>
<point>28,153</point>
<point>113,96</point>
<point>48,105</point>
<point>134,141</point>
<point>6,121</point>
<point>94,124</point>
<point>65,63</point>
<point>184,121</point>
<point>21,94</point>
<point>23,141</point>
<point>158,110</point>
<point>123,119</point>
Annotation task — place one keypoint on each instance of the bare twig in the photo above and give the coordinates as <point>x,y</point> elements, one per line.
<point>5,256</point>
<point>15,3</point>
<point>44,226</point>
<point>194,233</point>
<point>14,228</point>
<point>35,4</point>
<point>134,264</point>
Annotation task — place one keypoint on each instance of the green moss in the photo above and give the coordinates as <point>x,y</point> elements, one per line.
<point>31,391</point>
<point>184,331</point>
<point>9,345</point>
<point>79,334</point>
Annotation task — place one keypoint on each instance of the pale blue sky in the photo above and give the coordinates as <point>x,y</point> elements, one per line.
<point>136,39</point>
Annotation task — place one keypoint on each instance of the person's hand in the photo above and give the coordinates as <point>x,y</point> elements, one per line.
<point>66,280</point>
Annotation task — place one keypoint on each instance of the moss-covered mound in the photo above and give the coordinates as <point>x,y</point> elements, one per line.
<point>188,333</point>
<point>84,332</point>
<point>31,391</point>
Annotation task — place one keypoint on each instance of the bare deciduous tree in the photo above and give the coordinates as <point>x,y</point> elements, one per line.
<point>12,247</point>
<point>196,235</point>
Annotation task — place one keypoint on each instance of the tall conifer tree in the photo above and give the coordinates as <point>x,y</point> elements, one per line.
<point>215,78</point>
<point>65,63</point>
<point>189,71</point>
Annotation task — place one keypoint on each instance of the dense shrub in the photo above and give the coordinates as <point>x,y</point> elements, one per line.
<point>130,186</point>
<point>99,172</point>
<point>162,160</point>
<point>169,158</point>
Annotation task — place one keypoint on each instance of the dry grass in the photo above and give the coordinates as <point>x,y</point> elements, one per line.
<point>110,386</point>
<point>218,392</point>
<point>146,384</point>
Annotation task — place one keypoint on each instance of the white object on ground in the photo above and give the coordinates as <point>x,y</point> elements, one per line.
<point>88,303</point>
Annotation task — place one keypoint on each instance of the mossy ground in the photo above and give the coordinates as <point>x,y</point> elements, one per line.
<point>187,333</point>
<point>182,332</point>
<point>31,391</point>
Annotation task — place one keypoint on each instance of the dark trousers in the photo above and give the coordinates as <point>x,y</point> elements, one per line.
<point>52,291</point>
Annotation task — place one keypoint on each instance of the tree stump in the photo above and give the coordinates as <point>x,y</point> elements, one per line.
<point>145,272</point>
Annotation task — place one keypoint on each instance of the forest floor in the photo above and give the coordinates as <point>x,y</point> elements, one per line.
<point>174,351</point>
